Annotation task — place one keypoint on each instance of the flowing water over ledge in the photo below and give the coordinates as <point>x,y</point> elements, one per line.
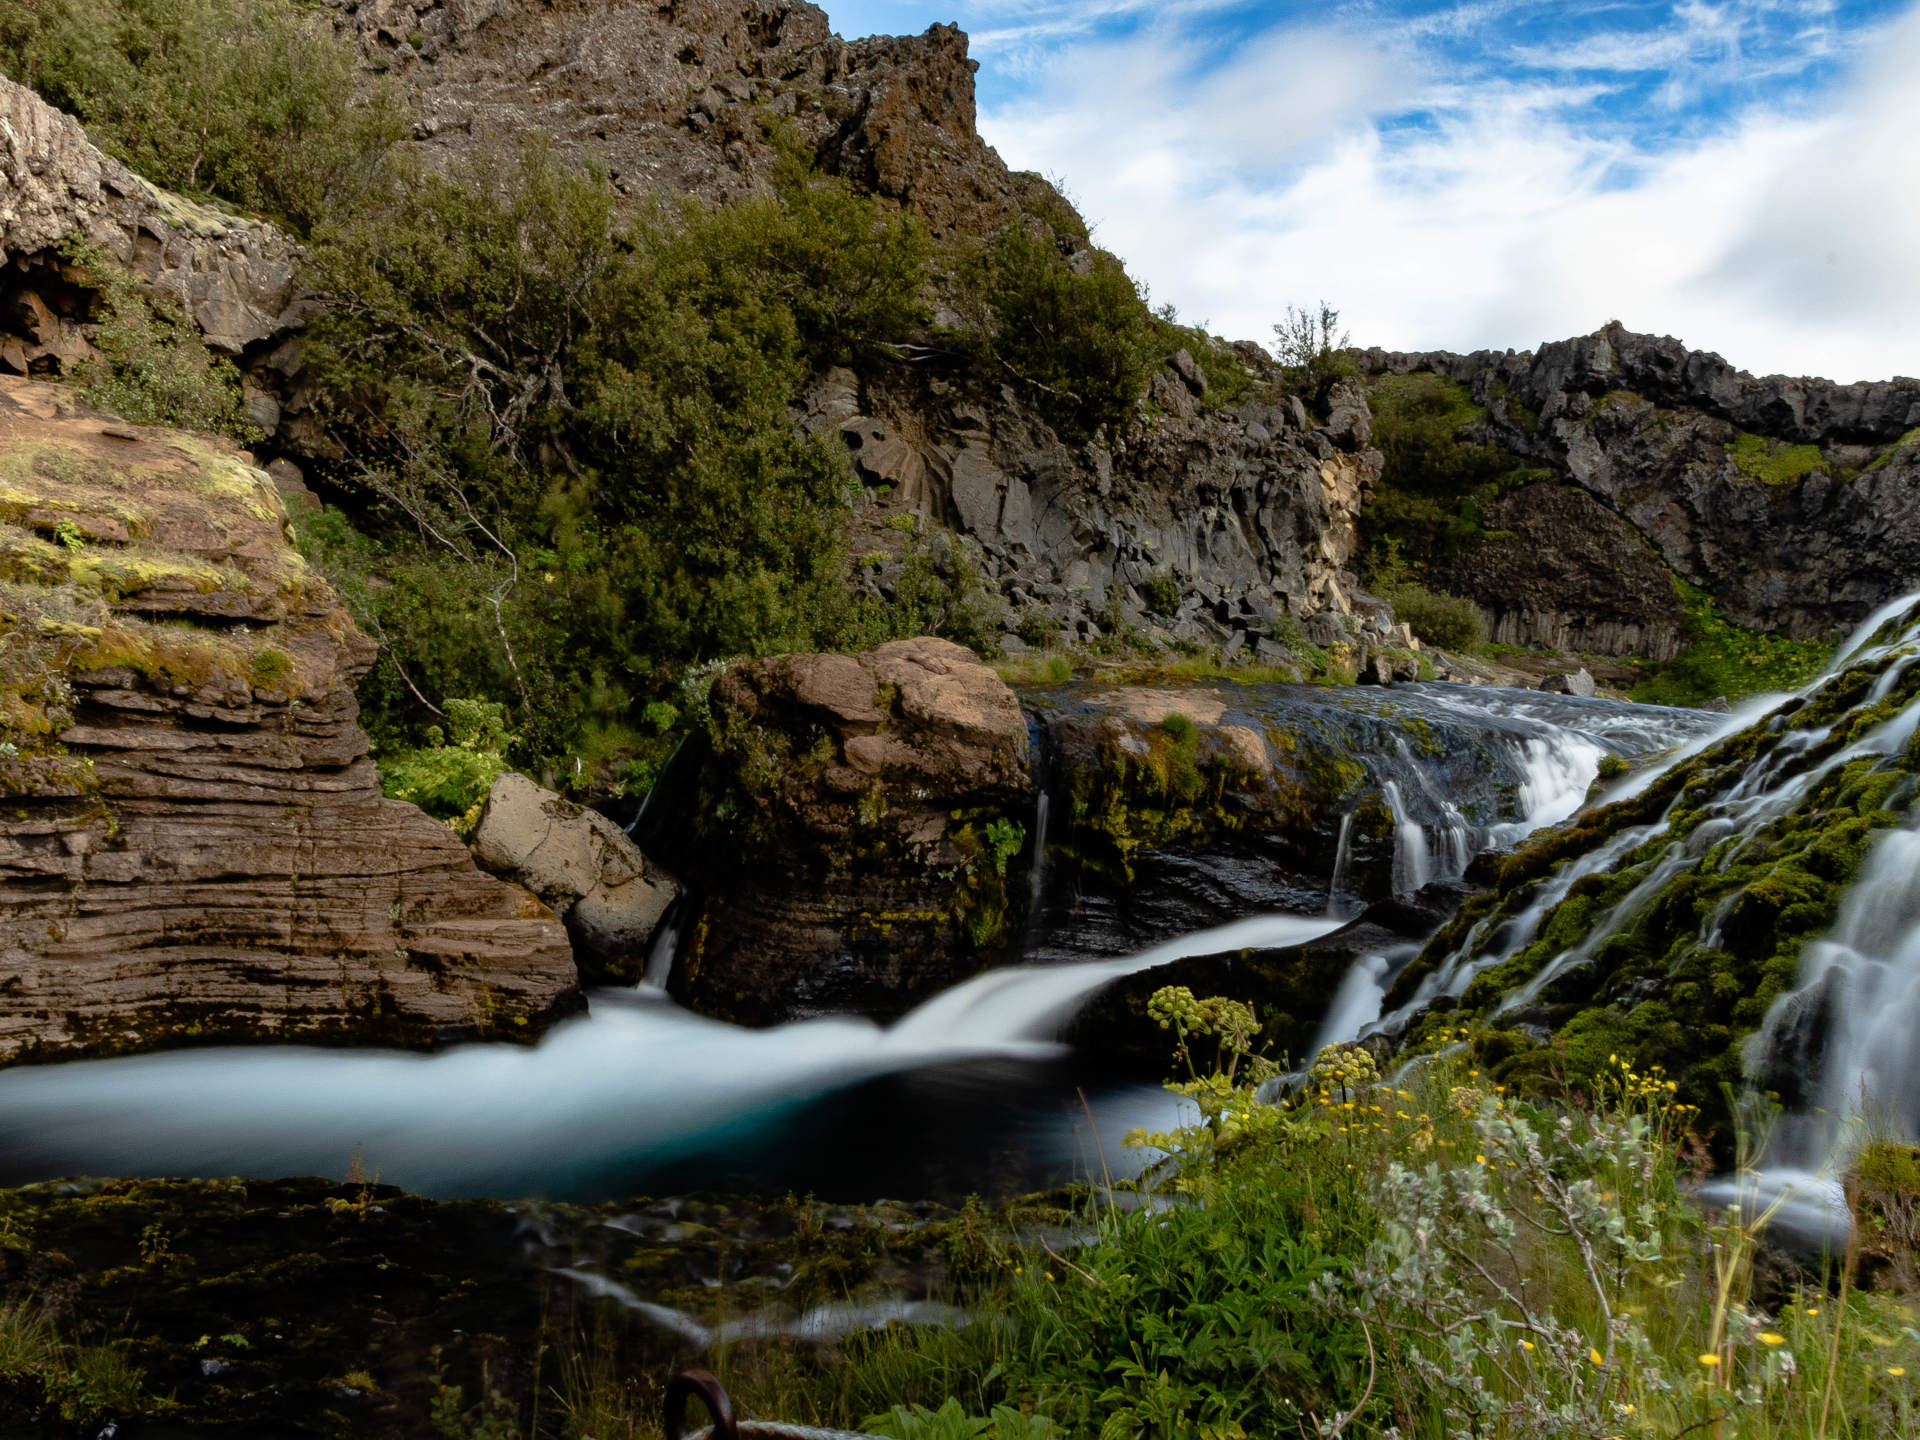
<point>970,1092</point>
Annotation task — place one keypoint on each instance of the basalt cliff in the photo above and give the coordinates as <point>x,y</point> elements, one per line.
<point>1789,501</point>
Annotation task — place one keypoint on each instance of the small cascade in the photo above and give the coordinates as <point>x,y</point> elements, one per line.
<point>1859,997</point>
<point>1342,864</point>
<point>1037,871</point>
<point>666,946</point>
<point>1412,867</point>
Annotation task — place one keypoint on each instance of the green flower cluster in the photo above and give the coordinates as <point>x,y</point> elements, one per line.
<point>1344,1067</point>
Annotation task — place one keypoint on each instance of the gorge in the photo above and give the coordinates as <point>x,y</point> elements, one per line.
<point>649,716</point>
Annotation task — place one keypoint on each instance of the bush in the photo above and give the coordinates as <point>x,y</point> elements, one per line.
<point>1313,352</point>
<point>1438,475</point>
<point>451,781</point>
<point>250,100</point>
<point>1082,341</point>
<point>1450,621</point>
<point>617,491</point>
<point>153,367</point>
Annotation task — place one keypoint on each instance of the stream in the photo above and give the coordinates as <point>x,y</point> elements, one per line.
<point>969,1092</point>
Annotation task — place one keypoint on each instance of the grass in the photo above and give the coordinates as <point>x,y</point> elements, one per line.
<point>1722,659</point>
<point>1771,462</point>
<point>1058,667</point>
<point>1422,1257</point>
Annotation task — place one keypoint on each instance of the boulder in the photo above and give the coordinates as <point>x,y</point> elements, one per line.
<point>857,831</point>
<point>1569,682</point>
<point>583,866</point>
<point>195,847</point>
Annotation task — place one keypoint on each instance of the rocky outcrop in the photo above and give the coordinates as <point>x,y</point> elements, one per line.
<point>1230,526</point>
<point>194,846</point>
<point>858,827</point>
<point>583,866</point>
<point>675,98</point>
<point>234,277</point>
<point>1790,501</point>
<point>1248,512</point>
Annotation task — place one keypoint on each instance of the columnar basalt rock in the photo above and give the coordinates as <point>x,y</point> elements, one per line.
<point>859,819</point>
<point>193,844</point>
<point>1791,501</point>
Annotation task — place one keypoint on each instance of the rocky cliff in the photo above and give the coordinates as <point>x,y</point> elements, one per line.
<point>1790,501</point>
<point>1248,511</point>
<point>233,276</point>
<point>193,844</point>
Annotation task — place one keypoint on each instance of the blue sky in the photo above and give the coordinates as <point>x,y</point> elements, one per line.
<point>1485,174</point>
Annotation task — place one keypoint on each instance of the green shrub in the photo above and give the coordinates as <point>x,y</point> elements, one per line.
<point>1313,352</point>
<point>250,100</point>
<point>153,368</point>
<point>1438,476</point>
<point>618,491</point>
<point>1452,622</point>
<point>1082,341</point>
<point>451,781</point>
<point>1162,594</point>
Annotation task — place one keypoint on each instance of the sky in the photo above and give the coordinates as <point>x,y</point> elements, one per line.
<point>1487,174</point>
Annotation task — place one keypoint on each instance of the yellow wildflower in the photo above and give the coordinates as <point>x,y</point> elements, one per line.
<point>1770,1337</point>
<point>1710,1361</point>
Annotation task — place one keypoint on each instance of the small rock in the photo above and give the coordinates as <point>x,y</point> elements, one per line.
<point>1718,705</point>
<point>1569,682</point>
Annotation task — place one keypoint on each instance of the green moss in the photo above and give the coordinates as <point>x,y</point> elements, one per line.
<point>1721,659</point>
<point>1772,462</point>
<point>1885,457</point>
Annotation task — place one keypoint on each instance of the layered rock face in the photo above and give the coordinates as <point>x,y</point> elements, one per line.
<point>194,846</point>
<point>1233,526</point>
<point>857,823</point>
<point>1790,501</point>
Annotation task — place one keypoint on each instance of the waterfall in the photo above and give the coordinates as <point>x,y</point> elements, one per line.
<point>666,945</point>
<point>1037,868</point>
<point>1342,863</point>
<point>1411,867</point>
<point>1859,985</point>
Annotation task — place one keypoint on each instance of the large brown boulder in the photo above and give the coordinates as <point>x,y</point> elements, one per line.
<point>859,819</point>
<point>193,844</point>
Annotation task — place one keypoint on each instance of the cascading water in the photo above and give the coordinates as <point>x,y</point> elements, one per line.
<point>1851,1021</point>
<point>1342,863</point>
<point>1411,865</point>
<point>619,1099</point>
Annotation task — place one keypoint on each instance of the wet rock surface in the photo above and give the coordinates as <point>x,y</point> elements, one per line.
<point>195,847</point>
<point>1789,500</point>
<point>857,821</point>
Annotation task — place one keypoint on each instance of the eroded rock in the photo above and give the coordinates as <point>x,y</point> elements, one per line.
<point>583,866</point>
<point>194,845</point>
<point>858,820</point>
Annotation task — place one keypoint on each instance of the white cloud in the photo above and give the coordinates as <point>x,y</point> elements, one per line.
<point>1786,241</point>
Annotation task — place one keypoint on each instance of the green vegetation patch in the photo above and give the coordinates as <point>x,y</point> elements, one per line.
<point>1440,475</point>
<point>1721,659</point>
<point>1772,462</point>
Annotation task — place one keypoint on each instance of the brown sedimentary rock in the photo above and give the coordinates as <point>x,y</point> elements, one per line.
<point>193,843</point>
<point>843,824</point>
